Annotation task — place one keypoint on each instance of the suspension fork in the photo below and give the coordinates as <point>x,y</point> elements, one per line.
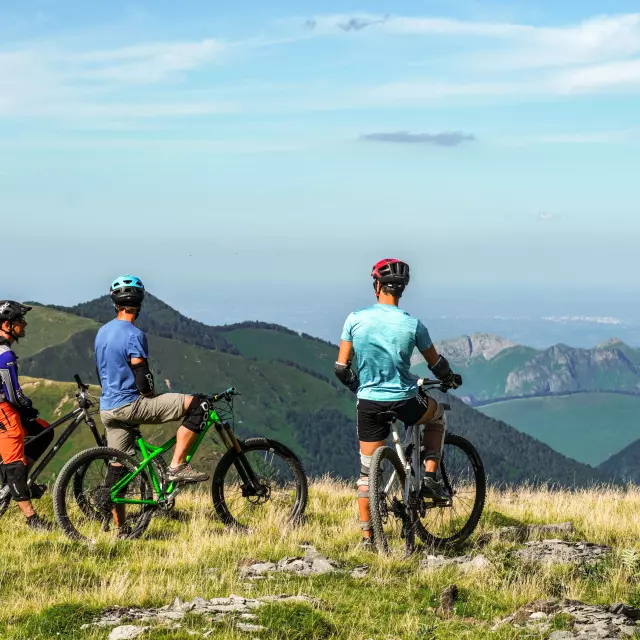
<point>230,441</point>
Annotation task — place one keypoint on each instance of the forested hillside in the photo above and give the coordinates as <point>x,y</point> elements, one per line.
<point>289,390</point>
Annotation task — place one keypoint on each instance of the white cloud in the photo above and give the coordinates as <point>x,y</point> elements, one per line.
<point>149,62</point>
<point>46,81</point>
<point>519,46</point>
<point>613,75</point>
<point>546,216</point>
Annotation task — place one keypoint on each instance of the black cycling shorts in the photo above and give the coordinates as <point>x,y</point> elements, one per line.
<point>370,430</point>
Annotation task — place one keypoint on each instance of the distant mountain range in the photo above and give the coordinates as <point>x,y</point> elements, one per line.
<point>495,369</point>
<point>289,389</point>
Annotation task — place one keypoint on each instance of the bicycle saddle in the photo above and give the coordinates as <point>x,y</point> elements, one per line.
<point>386,417</point>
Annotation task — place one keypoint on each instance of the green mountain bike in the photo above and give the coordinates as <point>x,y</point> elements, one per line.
<point>255,480</point>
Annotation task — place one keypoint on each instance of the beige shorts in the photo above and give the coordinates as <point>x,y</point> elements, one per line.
<point>121,423</point>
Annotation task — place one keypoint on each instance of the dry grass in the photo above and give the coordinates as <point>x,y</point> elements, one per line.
<point>49,585</point>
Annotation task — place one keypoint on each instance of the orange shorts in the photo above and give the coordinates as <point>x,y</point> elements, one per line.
<point>12,435</point>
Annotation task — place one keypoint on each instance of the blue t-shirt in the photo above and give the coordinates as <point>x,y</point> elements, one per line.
<point>384,337</point>
<point>116,343</point>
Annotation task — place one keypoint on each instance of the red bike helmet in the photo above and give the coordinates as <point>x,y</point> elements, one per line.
<point>391,271</point>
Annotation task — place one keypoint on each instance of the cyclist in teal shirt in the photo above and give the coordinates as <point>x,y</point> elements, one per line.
<point>383,338</point>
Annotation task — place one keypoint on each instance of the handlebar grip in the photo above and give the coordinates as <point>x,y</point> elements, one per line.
<point>79,382</point>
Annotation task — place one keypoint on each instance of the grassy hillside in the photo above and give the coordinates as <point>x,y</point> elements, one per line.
<point>49,327</point>
<point>589,427</point>
<point>50,587</point>
<point>297,401</point>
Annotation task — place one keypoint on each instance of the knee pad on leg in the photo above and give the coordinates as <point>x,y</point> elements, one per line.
<point>365,469</point>
<point>16,474</point>
<point>197,413</point>
<point>437,424</point>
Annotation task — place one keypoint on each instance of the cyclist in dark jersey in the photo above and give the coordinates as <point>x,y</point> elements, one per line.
<point>383,338</point>
<point>18,418</point>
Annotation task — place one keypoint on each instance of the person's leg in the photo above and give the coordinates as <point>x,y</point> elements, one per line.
<point>372,436</point>
<point>196,411</point>
<point>367,449</point>
<point>433,440</point>
<point>184,438</point>
<point>33,450</point>
<point>168,407</point>
<point>122,437</point>
<point>12,451</point>
<point>433,433</point>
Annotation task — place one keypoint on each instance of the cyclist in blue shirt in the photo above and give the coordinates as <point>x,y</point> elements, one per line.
<point>383,338</point>
<point>128,397</point>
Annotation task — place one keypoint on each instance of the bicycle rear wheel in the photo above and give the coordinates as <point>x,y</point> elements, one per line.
<point>279,494</point>
<point>85,512</point>
<point>462,473</point>
<point>388,511</point>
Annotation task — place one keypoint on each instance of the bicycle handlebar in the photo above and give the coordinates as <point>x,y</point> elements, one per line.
<point>81,385</point>
<point>225,395</point>
<point>428,382</point>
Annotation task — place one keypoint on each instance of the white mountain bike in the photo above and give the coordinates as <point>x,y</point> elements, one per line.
<point>399,512</point>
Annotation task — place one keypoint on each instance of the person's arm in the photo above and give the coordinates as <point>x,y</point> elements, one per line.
<point>143,376</point>
<point>438,364</point>
<point>139,361</point>
<point>342,367</point>
<point>10,382</point>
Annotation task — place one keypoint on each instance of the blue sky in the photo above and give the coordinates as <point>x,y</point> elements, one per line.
<point>204,146</point>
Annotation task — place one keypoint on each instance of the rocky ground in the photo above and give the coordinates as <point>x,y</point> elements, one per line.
<point>541,617</point>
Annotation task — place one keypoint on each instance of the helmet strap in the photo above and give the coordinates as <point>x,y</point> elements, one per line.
<point>377,287</point>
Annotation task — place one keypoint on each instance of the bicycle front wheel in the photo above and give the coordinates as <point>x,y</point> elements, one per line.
<point>82,498</point>
<point>388,511</point>
<point>462,473</point>
<point>265,482</point>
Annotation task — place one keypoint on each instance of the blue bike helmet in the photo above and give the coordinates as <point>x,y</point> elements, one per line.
<point>127,291</point>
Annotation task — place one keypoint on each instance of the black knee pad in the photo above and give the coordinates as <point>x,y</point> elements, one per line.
<point>114,475</point>
<point>16,474</point>
<point>197,413</point>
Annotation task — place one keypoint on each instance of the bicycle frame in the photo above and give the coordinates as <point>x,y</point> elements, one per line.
<point>76,416</point>
<point>150,453</point>
<point>413,467</point>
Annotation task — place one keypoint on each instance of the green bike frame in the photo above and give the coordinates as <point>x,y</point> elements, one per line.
<point>150,452</point>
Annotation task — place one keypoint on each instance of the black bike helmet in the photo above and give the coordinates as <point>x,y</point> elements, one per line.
<point>391,273</point>
<point>127,291</point>
<point>12,311</point>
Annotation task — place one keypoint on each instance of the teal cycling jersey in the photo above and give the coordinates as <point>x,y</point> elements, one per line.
<point>384,338</point>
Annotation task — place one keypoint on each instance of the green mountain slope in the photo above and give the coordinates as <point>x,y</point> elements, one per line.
<point>325,439</point>
<point>624,465</point>
<point>157,318</point>
<point>256,341</point>
<point>48,327</point>
<point>297,401</point>
<point>589,427</point>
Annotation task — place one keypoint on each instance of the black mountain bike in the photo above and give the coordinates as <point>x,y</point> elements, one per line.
<point>76,417</point>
